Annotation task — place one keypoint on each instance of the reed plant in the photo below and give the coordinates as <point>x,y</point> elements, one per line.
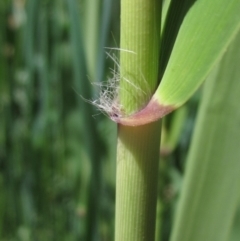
<point>57,157</point>
<point>205,30</point>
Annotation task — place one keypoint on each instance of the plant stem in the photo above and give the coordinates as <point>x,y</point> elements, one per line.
<point>138,147</point>
<point>137,175</point>
<point>140,41</point>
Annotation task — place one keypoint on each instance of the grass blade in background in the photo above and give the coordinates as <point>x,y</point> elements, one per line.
<point>28,47</point>
<point>4,110</point>
<point>211,193</point>
<point>94,148</point>
<point>172,134</point>
<point>172,128</point>
<point>91,34</point>
<point>103,39</point>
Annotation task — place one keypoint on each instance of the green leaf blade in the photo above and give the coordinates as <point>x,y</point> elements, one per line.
<point>205,34</point>
<point>211,193</point>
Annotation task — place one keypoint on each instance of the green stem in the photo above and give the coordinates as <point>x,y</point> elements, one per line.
<point>137,175</point>
<point>140,41</point>
<point>138,147</point>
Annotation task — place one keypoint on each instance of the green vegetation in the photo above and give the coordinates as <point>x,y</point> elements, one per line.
<point>138,147</point>
<point>59,176</point>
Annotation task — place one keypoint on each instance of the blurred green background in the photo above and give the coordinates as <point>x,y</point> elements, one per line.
<point>57,152</point>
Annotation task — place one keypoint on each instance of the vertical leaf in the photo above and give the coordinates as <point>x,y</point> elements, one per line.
<point>211,193</point>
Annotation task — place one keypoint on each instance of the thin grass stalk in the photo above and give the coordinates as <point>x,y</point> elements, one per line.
<point>92,140</point>
<point>138,147</point>
<point>6,125</point>
<point>103,38</point>
<point>28,46</point>
<point>46,163</point>
<point>12,148</point>
<point>169,140</point>
<point>91,36</point>
<point>28,159</point>
<point>4,96</point>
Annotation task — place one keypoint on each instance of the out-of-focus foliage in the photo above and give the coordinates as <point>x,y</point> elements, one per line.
<point>47,150</point>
